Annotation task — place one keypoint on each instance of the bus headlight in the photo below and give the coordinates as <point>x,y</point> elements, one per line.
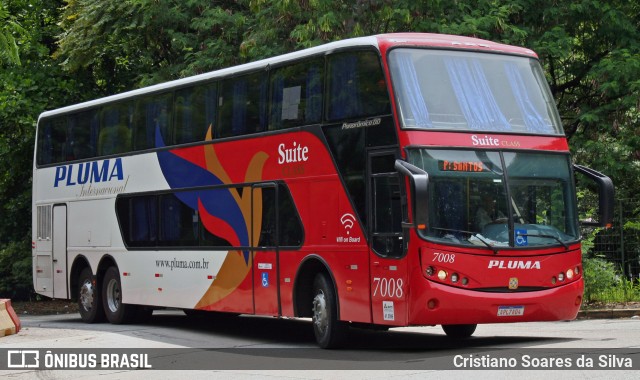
<point>569,274</point>
<point>442,275</point>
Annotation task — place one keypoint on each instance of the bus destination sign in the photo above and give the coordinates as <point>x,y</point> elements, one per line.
<point>461,166</point>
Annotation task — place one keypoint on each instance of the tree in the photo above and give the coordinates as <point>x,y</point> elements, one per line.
<point>130,43</point>
<point>26,90</point>
<point>9,28</point>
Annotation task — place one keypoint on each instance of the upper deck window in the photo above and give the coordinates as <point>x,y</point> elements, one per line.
<point>455,90</point>
<point>356,86</point>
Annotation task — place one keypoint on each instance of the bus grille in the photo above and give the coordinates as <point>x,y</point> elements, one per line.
<point>44,223</point>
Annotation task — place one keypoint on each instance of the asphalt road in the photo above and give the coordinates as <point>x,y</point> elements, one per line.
<point>253,348</point>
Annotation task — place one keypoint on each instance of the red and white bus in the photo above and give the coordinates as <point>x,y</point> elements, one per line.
<point>392,180</point>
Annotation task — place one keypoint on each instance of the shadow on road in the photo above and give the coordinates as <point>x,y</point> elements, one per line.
<point>299,333</point>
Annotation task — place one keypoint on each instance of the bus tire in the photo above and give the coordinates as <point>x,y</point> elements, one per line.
<point>116,311</point>
<point>89,298</point>
<point>459,331</point>
<point>328,330</point>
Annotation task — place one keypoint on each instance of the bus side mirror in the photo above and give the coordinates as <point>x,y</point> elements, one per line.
<point>605,196</point>
<point>419,183</point>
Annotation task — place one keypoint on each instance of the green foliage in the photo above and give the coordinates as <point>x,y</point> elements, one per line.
<point>603,282</point>
<point>15,267</point>
<point>9,28</point>
<point>25,91</point>
<point>600,276</point>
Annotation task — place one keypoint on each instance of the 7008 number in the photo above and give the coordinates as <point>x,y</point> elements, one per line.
<point>444,257</point>
<point>387,287</point>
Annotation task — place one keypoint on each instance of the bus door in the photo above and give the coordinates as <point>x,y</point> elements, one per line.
<point>388,268</point>
<point>59,257</point>
<point>266,284</point>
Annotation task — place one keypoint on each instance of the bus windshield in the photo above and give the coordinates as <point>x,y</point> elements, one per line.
<point>498,199</point>
<point>458,90</point>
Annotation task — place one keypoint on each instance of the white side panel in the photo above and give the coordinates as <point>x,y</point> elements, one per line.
<point>44,272</point>
<point>168,278</point>
<point>90,223</point>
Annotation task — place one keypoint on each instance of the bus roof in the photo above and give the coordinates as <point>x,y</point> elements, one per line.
<point>386,41</point>
<point>383,42</point>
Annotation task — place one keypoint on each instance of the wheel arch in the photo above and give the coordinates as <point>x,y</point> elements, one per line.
<point>303,285</point>
<point>106,262</point>
<point>79,264</point>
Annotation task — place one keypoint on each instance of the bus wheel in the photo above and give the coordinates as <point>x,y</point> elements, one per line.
<point>89,302</point>
<point>459,331</point>
<point>328,330</point>
<point>114,309</point>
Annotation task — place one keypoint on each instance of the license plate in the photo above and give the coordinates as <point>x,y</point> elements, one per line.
<point>510,311</point>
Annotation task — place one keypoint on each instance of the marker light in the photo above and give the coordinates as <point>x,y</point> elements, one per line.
<point>454,278</point>
<point>465,281</point>
<point>577,270</point>
<point>553,280</point>
<point>560,276</point>
<point>442,275</point>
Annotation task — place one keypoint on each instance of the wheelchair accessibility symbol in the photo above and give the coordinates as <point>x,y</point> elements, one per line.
<point>521,238</point>
<point>265,279</point>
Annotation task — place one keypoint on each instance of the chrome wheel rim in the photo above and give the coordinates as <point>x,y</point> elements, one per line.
<point>113,296</point>
<point>320,318</point>
<point>87,295</point>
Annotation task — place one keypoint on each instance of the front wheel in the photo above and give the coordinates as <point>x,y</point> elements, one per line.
<point>116,311</point>
<point>89,300</point>
<point>328,330</point>
<point>459,331</point>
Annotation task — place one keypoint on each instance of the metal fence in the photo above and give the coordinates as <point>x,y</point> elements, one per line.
<point>621,244</point>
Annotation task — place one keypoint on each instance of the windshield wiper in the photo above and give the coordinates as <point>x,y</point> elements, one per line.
<point>565,245</point>
<point>473,234</point>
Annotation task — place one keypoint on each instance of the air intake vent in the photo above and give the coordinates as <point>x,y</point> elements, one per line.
<point>44,222</point>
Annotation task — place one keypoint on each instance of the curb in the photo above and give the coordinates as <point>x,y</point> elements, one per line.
<point>608,314</point>
<point>9,322</point>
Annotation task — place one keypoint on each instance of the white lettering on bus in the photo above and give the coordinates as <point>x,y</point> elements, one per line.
<point>514,264</point>
<point>89,172</point>
<point>492,141</point>
<point>297,153</point>
<point>486,140</point>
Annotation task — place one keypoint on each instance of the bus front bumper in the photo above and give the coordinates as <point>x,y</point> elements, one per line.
<point>442,304</point>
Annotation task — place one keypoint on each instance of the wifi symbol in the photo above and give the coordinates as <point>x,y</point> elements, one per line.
<point>347,221</point>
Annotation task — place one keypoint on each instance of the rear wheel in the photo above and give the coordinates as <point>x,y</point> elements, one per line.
<point>459,331</point>
<point>116,311</point>
<point>89,300</point>
<point>328,330</point>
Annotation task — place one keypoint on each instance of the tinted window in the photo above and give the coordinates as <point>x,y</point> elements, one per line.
<point>164,220</point>
<point>152,113</point>
<point>51,140</point>
<point>357,87</point>
<point>386,219</point>
<point>296,94</point>
<point>290,228</point>
<point>242,105</point>
<point>115,132</point>
<point>195,113</point>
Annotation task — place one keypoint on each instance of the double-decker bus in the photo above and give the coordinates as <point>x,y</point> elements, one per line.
<point>391,180</point>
